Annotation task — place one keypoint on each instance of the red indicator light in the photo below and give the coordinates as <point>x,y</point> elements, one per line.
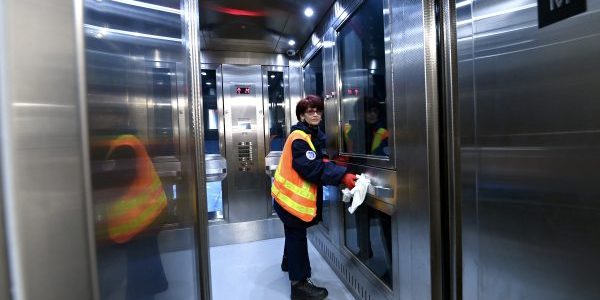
<point>237,12</point>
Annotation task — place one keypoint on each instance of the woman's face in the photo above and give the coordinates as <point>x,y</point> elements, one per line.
<point>312,116</point>
<point>372,116</point>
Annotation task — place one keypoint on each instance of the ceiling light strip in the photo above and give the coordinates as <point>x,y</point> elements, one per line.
<point>149,6</point>
<point>105,30</point>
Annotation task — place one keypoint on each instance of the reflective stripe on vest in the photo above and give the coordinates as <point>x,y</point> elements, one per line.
<point>144,200</point>
<point>296,195</point>
<point>380,135</point>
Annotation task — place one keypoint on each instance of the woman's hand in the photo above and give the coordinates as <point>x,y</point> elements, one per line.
<point>349,180</point>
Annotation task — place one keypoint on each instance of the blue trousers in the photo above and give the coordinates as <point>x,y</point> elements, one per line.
<point>296,253</point>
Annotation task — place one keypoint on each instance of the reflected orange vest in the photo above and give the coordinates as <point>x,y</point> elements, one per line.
<point>144,200</point>
<point>380,135</point>
<point>296,195</point>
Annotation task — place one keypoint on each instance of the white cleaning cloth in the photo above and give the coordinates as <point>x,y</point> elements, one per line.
<point>358,193</point>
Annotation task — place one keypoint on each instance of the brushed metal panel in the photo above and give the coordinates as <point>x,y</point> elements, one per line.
<point>43,165</point>
<point>193,156</point>
<point>531,144</point>
<point>359,280</point>
<point>332,113</point>
<point>4,271</point>
<point>416,138</point>
<point>244,123</point>
<point>296,90</point>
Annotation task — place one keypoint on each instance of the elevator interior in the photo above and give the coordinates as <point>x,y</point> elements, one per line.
<point>246,121</point>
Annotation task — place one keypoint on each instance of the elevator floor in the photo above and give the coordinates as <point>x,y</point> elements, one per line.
<point>252,271</point>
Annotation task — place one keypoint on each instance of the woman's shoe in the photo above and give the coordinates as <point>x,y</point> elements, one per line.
<point>306,290</point>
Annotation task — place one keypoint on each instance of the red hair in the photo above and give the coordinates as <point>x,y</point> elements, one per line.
<point>311,101</point>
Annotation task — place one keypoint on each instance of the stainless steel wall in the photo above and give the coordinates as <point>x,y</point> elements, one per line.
<point>44,156</point>
<point>244,144</point>
<point>411,174</point>
<point>530,151</point>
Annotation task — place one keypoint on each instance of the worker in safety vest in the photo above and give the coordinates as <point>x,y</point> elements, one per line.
<point>375,130</point>
<point>128,201</point>
<point>298,192</point>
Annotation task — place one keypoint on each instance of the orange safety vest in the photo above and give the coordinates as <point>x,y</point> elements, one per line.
<point>296,195</point>
<point>144,200</point>
<point>380,135</point>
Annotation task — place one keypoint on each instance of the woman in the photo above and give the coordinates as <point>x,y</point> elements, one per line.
<point>298,193</point>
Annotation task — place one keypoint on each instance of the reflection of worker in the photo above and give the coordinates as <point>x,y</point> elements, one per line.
<point>377,136</point>
<point>376,132</point>
<point>129,199</point>
<point>298,193</point>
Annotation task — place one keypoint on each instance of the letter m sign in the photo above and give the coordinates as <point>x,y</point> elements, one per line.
<point>552,11</point>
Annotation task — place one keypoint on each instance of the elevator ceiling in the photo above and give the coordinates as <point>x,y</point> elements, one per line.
<point>264,26</point>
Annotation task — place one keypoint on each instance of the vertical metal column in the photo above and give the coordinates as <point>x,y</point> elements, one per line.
<point>192,43</point>
<point>4,281</point>
<point>449,152</point>
<point>44,165</point>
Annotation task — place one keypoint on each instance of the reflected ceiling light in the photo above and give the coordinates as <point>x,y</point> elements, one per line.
<point>203,73</point>
<point>208,83</point>
<point>309,12</point>
<point>464,3</point>
<point>279,59</point>
<point>328,44</point>
<point>291,42</point>
<point>148,6</point>
<point>272,76</point>
<point>497,13</point>
<point>105,31</point>
<point>314,39</point>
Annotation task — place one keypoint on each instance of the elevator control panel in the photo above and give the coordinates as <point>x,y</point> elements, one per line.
<point>245,151</point>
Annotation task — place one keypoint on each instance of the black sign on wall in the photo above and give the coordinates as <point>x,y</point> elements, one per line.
<point>552,11</point>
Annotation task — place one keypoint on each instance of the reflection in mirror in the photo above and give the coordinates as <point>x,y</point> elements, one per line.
<point>369,236</point>
<point>144,208</point>
<point>313,76</point>
<point>313,80</point>
<point>276,94</point>
<point>161,104</point>
<point>362,70</point>
<point>210,98</point>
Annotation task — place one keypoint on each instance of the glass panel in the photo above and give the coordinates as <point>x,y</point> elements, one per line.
<point>162,114</point>
<point>210,98</point>
<point>362,70</point>
<point>313,76</point>
<point>210,106</point>
<point>143,202</point>
<point>276,111</point>
<point>369,236</point>
<point>313,80</point>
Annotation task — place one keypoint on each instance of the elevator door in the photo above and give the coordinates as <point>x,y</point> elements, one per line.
<point>244,142</point>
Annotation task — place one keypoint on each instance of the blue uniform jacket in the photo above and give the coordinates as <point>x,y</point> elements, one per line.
<point>313,170</point>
